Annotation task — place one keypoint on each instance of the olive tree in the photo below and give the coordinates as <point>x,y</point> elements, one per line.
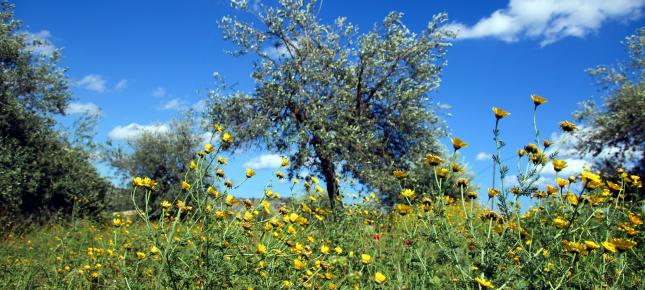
<point>334,100</point>
<point>43,173</point>
<point>620,121</point>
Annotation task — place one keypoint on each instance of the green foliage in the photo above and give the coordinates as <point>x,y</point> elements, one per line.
<point>42,173</point>
<point>620,121</point>
<point>162,156</point>
<point>334,100</point>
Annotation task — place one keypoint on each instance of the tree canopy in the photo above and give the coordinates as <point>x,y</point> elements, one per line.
<point>334,100</point>
<point>620,121</point>
<point>42,172</point>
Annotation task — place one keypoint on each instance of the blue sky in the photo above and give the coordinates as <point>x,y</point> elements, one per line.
<point>141,62</point>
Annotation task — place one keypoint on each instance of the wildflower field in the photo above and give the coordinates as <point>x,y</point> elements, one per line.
<point>581,232</point>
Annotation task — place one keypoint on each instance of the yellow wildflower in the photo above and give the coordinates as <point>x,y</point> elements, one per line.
<point>558,165</point>
<point>537,100</point>
<point>407,193</point>
<point>499,113</point>
<point>484,283</point>
<point>567,126</point>
<point>380,278</point>
<point>458,143</point>
<point>366,259</point>
<point>226,137</point>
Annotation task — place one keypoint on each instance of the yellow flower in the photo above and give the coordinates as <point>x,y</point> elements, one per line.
<point>141,255</point>
<point>185,185</point>
<point>209,148</point>
<point>499,113</point>
<point>219,172</point>
<point>193,165</point>
<point>165,204</point>
<point>484,283</point>
<point>431,159</point>
<point>230,200</point>
<point>608,247</point>
<point>338,250</point>
<point>213,192</point>
<point>567,126</point>
<point>250,173</point>
<point>226,137</point>
<point>154,250</point>
<point>408,193</point>
<point>458,143</point>
<point>558,165</point>
<point>228,183</point>
<point>261,249</point>
<point>562,182</point>
<point>402,209</point>
<point>380,278</point>
<point>399,173</point>
<point>325,249</point>
<point>222,160</point>
<point>634,219</point>
<point>560,223</point>
<point>286,284</point>
<point>537,100</point>
<point>492,192</point>
<point>279,175</point>
<point>590,180</point>
<point>217,127</point>
<point>298,265</point>
<point>574,247</point>
<point>591,245</point>
<point>366,259</point>
<point>622,244</point>
<point>547,143</point>
<point>285,162</point>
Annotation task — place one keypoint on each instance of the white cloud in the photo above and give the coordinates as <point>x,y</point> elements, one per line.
<point>265,161</point>
<point>93,83</point>
<point>133,130</point>
<point>483,156</point>
<point>444,106</point>
<point>174,104</point>
<point>159,92</point>
<point>43,45</point>
<point>122,84</point>
<point>549,20</point>
<point>575,160</point>
<point>80,108</point>
<point>200,106</point>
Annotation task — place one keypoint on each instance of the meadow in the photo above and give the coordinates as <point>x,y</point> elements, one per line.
<point>581,232</point>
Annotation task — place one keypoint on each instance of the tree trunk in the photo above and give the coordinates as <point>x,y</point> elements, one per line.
<point>329,172</point>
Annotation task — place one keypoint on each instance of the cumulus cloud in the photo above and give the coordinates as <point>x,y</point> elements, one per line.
<point>39,43</point>
<point>174,104</point>
<point>159,92</point>
<point>483,156</point>
<point>120,85</point>
<point>80,108</point>
<point>549,20</point>
<point>92,82</point>
<point>133,130</point>
<point>265,161</point>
